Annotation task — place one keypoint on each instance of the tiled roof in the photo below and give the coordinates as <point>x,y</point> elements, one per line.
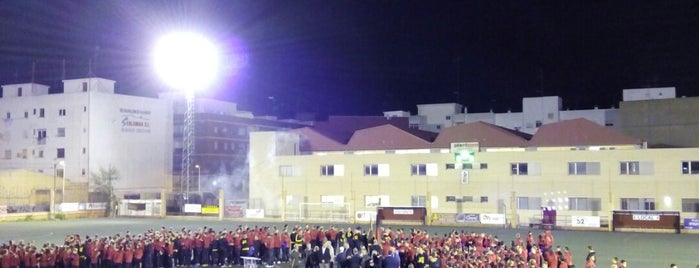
<point>348,136</point>
<point>313,141</point>
<point>341,128</point>
<point>487,135</point>
<point>579,132</point>
<point>385,137</point>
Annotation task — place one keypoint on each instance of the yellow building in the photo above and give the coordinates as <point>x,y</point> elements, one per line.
<point>575,166</point>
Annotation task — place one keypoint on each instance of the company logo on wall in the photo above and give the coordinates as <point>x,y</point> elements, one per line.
<point>135,121</point>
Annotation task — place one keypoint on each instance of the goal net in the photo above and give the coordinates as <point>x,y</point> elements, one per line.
<point>321,212</point>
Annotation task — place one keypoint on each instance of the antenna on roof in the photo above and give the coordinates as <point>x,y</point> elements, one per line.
<point>63,69</point>
<point>33,70</point>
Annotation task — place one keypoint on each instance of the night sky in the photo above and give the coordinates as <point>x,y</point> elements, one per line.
<point>365,57</point>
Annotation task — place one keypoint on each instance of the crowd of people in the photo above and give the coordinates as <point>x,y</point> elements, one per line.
<point>307,246</point>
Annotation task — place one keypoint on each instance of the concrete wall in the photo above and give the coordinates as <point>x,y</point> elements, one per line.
<point>662,122</point>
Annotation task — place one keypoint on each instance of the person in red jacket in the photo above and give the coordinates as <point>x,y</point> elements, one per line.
<point>118,257</point>
<point>128,256</point>
<point>74,258</point>
<point>95,256</point>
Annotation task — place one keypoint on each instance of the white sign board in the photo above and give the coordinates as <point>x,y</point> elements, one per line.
<point>585,221</point>
<point>255,213</point>
<point>192,208</point>
<point>402,211</point>
<point>492,218</point>
<point>645,217</point>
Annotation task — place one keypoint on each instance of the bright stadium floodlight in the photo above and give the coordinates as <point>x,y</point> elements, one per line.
<point>187,62</point>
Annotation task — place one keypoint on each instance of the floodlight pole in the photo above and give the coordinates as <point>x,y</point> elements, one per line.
<point>187,142</point>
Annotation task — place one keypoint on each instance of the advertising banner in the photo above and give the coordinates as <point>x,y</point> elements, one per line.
<point>468,218</point>
<point>691,223</point>
<point>493,219</point>
<point>585,221</point>
<point>192,208</point>
<point>255,213</point>
<point>234,211</point>
<point>209,210</point>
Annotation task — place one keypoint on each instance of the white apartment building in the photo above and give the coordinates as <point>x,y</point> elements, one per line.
<point>536,111</point>
<point>87,128</point>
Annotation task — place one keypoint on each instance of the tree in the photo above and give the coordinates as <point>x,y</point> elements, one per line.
<point>104,183</point>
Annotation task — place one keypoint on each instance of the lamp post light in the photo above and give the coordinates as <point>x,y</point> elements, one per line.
<point>52,208</point>
<point>187,62</point>
<point>63,182</point>
<point>198,177</point>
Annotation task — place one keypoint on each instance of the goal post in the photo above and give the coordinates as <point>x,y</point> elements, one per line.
<point>319,212</point>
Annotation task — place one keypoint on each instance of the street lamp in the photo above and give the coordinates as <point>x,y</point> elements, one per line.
<point>187,62</point>
<point>198,178</point>
<point>52,208</point>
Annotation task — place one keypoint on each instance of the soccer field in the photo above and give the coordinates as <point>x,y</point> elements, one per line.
<point>639,249</point>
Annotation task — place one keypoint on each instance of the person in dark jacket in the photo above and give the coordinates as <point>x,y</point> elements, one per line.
<point>390,260</point>
<point>356,260</point>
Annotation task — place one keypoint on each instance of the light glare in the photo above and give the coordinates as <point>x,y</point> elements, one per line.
<point>186,61</point>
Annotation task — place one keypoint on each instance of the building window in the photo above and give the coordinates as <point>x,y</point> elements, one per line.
<point>41,154</point>
<point>61,112</point>
<point>8,116</point>
<point>638,203</point>
<point>19,92</point>
<point>467,166</point>
<point>690,205</point>
<point>41,112</point>
<point>449,166</point>
<point>327,170</point>
<point>61,132</point>
<point>26,114</point>
<point>448,117</point>
<point>629,168</point>
<point>584,203</point>
<point>529,203</point>
<point>84,86</point>
<point>583,168</point>
<point>8,154</point>
<point>41,136</point>
<point>84,150</point>
<point>418,201</point>
<point>332,170</point>
<point>60,153</point>
<point>287,171</point>
<point>484,165</point>
<point>538,123</point>
<point>371,170</point>
<point>518,168</point>
<point>690,167</point>
<point>451,198</point>
<point>484,199</point>
<point>429,169</point>
<point>84,108</point>
<point>83,172</point>
<point>418,169</point>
